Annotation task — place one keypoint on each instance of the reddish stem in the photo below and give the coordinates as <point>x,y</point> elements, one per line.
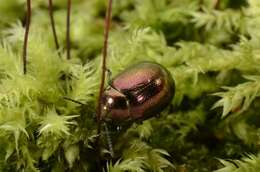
<point>201,3</point>
<point>53,26</point>
<point>26,35</point>
<point>104,59</point>
<point>216,4</point>
<point>68,29</point>
<point>103,74</point>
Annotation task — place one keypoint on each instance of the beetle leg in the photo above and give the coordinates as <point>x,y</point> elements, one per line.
<point>109,141</point>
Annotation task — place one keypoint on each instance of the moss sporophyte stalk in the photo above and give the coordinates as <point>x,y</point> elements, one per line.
<point>51,57</point>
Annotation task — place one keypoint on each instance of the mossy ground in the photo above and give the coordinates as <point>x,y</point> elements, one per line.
<point>211,48</point>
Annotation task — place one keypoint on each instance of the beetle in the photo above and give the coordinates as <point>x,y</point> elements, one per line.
<point>139,92</point>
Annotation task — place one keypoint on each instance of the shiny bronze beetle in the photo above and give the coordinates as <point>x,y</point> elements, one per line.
<point>139,92</point>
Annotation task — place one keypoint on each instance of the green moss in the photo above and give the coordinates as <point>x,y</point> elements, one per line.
<point>213,55</point>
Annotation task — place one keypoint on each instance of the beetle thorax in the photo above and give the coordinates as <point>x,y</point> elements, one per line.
<point>114,100</point>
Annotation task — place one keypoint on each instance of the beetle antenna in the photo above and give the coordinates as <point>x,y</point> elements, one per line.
<point>26,35</point>
<point>53,27</point>
<point>109,141</point>
<point>68,29</point>
<point>102,82</point>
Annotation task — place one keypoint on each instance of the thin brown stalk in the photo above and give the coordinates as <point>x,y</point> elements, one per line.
<point>216,4</point>
<point>26,35</point>
<point>201,3</point>
<point>68,29</point>
<point>53,27</point>
<point>104,59</point>
<point>103,73</point>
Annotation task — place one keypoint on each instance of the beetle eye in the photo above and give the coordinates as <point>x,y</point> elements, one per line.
<point>120,103</point>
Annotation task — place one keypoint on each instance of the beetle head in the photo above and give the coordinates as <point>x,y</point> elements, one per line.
<point>114,105</point>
